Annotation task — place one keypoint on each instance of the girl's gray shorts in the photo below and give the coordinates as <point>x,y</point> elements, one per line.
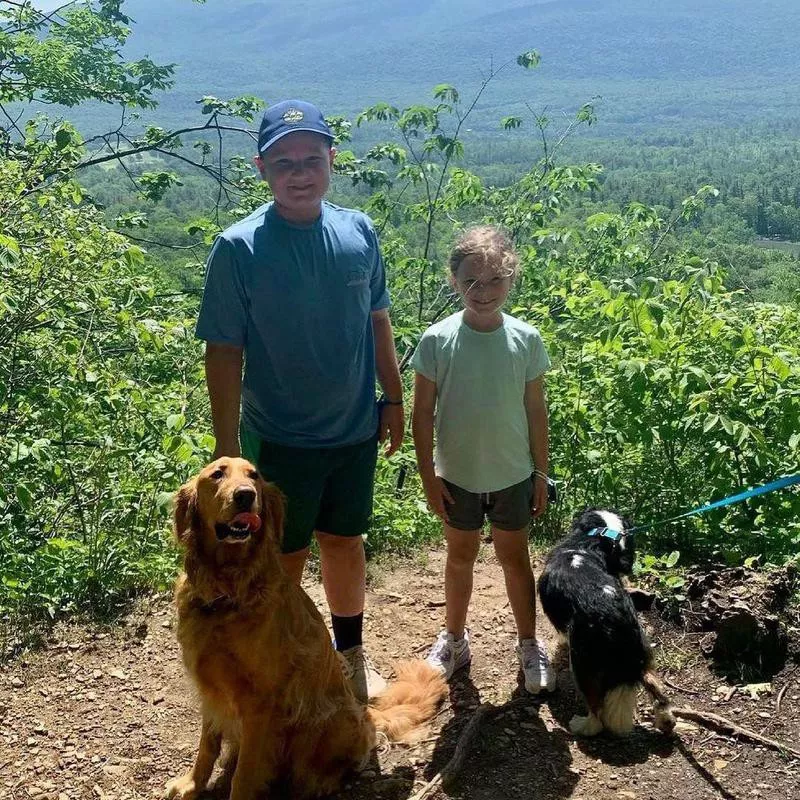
<point>507,509</point>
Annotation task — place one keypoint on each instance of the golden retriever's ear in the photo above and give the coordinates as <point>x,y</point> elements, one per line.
<point>185,511</point>
<point>272,508</point>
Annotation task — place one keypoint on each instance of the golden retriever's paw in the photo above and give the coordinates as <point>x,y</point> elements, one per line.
<point>183,788</point>
<point>585,726</point>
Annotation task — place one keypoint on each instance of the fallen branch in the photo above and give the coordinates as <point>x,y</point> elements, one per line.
<point>677,688</point>
<point>778,702</point>
<point>730,728</point>
<point>465,740</point>
<point>782,692</point>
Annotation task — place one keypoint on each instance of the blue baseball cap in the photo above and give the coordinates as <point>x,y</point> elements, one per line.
<point>287,117</point>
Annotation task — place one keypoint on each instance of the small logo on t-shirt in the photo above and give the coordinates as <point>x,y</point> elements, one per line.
<point>357,277</point>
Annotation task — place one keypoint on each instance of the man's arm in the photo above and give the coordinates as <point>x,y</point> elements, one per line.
<point>224,380</point>
<point>385,356</point>
<point>538,435</point>
<point>392,422</point>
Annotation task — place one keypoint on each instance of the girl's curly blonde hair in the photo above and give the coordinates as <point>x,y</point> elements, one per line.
<point>489,243</point>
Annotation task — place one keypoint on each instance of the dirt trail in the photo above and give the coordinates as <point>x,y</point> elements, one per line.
<point>107,714</point>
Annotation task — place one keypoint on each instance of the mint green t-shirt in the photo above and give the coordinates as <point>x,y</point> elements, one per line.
<point>481,428</point>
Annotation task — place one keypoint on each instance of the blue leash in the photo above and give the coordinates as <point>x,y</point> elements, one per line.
<point>781,483</point>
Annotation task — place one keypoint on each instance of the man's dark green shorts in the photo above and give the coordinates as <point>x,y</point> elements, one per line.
<point>327,489</point>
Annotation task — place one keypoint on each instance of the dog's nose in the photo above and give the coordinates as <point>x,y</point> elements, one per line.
<point>244,497</point>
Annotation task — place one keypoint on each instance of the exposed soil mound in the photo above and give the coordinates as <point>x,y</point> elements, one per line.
<point>752,629</point>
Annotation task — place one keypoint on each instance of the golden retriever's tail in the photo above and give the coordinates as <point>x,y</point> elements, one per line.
<point>663,718</point>
<point>409,701</point>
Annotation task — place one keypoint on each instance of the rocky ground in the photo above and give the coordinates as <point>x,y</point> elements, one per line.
<point>107,714</point>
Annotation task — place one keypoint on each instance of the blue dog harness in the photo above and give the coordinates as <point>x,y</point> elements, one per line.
<point>607,533</point>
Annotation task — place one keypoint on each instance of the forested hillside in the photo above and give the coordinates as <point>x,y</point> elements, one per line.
<point>654,64</point>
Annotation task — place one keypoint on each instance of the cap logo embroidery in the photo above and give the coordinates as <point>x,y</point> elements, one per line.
<point>293,116</point>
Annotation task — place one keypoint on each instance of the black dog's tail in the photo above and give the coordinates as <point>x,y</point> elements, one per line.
<point>663,718</point>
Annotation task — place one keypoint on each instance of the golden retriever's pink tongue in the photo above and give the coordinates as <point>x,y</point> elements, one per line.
<point>247,520</point>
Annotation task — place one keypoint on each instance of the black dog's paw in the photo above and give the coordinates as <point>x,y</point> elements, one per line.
<point>642,600</point>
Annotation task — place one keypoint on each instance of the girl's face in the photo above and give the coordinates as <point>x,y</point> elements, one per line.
<point>483,286</point>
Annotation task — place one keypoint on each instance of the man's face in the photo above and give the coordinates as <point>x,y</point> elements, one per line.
<point>298,170</point>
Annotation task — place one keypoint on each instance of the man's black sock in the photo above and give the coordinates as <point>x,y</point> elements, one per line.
<point>347,631</point>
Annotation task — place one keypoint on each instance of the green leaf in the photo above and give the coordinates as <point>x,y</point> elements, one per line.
<point>529,60</point>
<point>164,499</point>
<point>9,243</point>
<point>24,496</point>
<point>176,421</point>
<point>63,138</point>
<point>62,544</point>
<point>444,91</point>
<point>672,559</point>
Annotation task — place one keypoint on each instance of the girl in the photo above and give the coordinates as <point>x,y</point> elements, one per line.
<point>479,385</point>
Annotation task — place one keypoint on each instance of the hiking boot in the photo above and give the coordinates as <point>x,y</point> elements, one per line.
<point>535,666</point>
<point>365,680</point>
<point>449,654</point>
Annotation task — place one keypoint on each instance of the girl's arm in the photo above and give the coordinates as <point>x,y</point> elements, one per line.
<point>422,430</point>
<point>539,440</point>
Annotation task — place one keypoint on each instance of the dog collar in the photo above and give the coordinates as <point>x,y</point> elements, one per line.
<point>607,533</point>
<point>221,603</point>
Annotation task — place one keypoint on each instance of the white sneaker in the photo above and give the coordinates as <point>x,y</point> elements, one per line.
<point>449,654</point>
<point>366,681</point>
<point>535,665</point>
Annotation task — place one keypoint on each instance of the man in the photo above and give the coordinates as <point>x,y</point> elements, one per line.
<point>297,293</point>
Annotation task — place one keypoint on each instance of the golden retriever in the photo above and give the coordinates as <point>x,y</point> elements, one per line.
<point>253,642</point>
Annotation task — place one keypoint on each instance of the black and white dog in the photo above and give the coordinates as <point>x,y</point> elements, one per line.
<point>583,596</point>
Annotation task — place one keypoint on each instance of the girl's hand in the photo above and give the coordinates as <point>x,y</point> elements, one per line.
<point>437,495</point>
<point>539,500</point>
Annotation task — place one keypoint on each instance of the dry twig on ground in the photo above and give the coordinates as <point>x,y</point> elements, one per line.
<point>465,740</point>
<point>724,725</point>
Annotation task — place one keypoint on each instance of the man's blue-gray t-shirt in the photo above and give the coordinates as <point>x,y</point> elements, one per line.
<point>298,298</point>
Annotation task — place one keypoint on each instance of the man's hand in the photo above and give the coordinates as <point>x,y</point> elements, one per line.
<point>437,495</point>
<point>392,427</point>
<point>539,500</point>
<point>230,449</point>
